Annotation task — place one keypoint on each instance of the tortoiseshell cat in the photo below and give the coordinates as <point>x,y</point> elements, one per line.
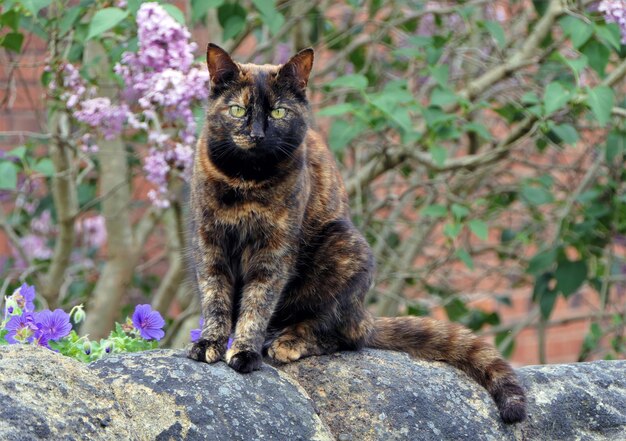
<point>276,255</point>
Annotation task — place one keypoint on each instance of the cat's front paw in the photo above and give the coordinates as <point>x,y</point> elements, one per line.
<point>244,361</point>
<point>208,351</point>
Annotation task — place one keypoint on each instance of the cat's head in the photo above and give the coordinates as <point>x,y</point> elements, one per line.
<point>257,116</point>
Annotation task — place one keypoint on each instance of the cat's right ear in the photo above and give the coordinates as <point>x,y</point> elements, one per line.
<point>222,68</point>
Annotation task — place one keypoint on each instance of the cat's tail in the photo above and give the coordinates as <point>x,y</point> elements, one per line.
<point>430,339</point>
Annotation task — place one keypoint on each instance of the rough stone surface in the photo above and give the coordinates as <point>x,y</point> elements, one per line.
<point>381,395</point>
<point>44,395</point>
<point>370,395</point>
<point>192,400</point>
<point>584,401</point>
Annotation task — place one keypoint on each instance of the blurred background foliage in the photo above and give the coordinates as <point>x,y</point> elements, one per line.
<point>482,145</point>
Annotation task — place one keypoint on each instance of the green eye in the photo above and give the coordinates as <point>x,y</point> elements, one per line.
<point>237,111</point>
<point>278,113</point>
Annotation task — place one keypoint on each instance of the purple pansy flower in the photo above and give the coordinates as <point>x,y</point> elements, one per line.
<point>24,297</point>
<point>148,322</point>
<point>22,328</point>
<point>53,325</point>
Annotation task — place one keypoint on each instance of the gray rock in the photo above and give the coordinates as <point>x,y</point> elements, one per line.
<point>370,395</point>
<point>44,395</point>
<point>583,401</point>
<point>171,397</point>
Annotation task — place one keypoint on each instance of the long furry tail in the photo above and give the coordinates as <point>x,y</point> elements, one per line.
<point>431,339</point>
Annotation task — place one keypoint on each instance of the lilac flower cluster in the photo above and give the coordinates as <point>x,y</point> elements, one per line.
<point>36,244</point>
<point>161,83</point>
<point>161,79</point>
<point>24,325</point>
<point>93,231</point>
<point>615,12</point>
<point>100,113</point>
<point>74,88</point>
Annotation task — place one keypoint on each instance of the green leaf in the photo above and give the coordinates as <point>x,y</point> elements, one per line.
<point>542,261</point>
<point>68,19</point>
<point>12,41</point>
<point>451,230</point>
<point>555,96</point>
<point>8,176</point>
<point>600,100</point>
<point>232,18</point>
<point>536,195</point>
<point>34,6</point>
<point>337,109</point>
<point>10,19</point>
<point>615,146</point>
<point>435,210</point>
<point>456,309</point>
<point>577,30</point>
<point>496,32</point>
<point>199,8</point>
<point>479,129</point>
<point>105,19</point>
<point>270,15</point>
<point>18,152</point>
<point>459,211</point>
<point>439,155</point>
<point>570,276</point>
<point>440,74</point>
<point>508,350</point>
<point>598,56</point>
<point>45,166</point>
<point>176,13</point>
<point>441,97</point>
<point>479,228</point>
<point>341,133</point>
<point>610,33</point>
<point>465,257</point>
<point>546,302</point>
<point>566,132</point>
<point>545,296</point>
<point>352,81</point>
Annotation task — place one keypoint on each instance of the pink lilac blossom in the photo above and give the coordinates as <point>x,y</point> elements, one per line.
<point>100,113</point>
<point>615,12</point>
<point>161,80</point>
<point>73,85</point>
<point>93,231</point>
<point>35,247</point>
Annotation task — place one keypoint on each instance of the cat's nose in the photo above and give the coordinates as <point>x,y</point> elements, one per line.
<point>256,137</point>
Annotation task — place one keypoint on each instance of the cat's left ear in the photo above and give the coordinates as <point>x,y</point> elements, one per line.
<point>298,67</point>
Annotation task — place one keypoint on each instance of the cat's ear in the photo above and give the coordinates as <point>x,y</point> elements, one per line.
<point>222,68</point>
<point>298,68</point>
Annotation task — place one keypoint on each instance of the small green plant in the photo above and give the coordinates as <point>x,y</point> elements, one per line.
<point>21,324</point>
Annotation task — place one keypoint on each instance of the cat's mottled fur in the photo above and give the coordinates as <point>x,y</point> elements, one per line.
<point>276,256</point>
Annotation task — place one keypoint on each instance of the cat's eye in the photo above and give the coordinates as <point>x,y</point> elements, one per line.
<point>278,113</point>
<point>237,111</point>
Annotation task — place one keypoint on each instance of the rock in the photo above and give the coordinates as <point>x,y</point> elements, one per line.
<point>44,395</point>
<point>369,395</point>
<point>585,401</point>
<point>169,396</point>
<point>389,396</point>
<point>381,395</point>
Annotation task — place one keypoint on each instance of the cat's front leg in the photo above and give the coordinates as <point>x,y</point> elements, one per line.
<point>216,302</point>
<point>266,278</point>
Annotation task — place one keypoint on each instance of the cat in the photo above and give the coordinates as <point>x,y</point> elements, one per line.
<point>276,255</point>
